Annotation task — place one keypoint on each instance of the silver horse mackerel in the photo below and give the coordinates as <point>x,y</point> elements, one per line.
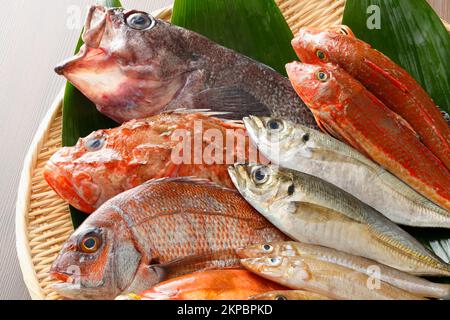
<point>311,210</point>
<point>307,150</point>
<point>409,283</point>
<point>134,66</point>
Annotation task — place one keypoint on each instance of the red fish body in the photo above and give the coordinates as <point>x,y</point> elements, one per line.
<point>225,284</point>
<point>108,162</point>
<point>346,109</point>
<point>384,78</point>
<point>157,231</point>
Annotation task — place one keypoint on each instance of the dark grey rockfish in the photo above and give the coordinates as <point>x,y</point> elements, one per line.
<point>134,66</point>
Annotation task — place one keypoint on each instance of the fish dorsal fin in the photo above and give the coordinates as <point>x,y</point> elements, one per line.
<point>233,100</point>
<point>214,115</point>
<point>197,262</point>
<point>189,180</point>
<point>205,112</point>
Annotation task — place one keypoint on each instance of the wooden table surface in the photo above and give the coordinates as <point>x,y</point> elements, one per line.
<point>32,43</point>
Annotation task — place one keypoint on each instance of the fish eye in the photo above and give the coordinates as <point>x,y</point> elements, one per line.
<point>260,175</point>
<point>95,144</point>
<point>90,243</point>
<point>274,261</point>
<point>280,297</point>
<point>322,76</point>
<point>305,137</point>
<point>321,55</point>
<point>267,248</point>
<point>140,21</point>
<point>275,125</point>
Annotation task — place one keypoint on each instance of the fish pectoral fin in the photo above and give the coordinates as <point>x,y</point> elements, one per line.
<point>237,102</point>
<point>191,263</point>
<point>314,212</point>
<point>387,75</point>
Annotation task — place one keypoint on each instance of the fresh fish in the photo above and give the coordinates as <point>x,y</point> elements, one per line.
<point>350,113</point>
<point>412,284</point>
<point>108,162</point>
<point>289,295</point>
<point>311,210</point>
<point>159,230</point>
<point>309,151</point>
<point>383,77</point>
<point>231,284</point>
<point>133,66</point>
<point>323,278</point>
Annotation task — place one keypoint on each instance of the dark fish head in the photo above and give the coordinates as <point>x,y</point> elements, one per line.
<point>98,261</point>
<point>319,46</point>
<point>319,87</point>
<point>131,65</point>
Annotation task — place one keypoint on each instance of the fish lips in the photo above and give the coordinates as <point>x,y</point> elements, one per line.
<point>253,125</point>
<point>86,56</point>
<point>237,173</point>
<point>61,184</point>
<point>94,30</point>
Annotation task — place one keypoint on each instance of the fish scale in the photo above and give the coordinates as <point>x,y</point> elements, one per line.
<point>348,111</point>
<point>390,83</point>
<point>177,68</point>
<point>404,281</point>
<point>327,158</point>
<point>318,212</point>
<point>138,151</point>
<point>159,230</point>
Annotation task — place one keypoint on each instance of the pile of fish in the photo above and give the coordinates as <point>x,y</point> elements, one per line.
<point>218,184</point>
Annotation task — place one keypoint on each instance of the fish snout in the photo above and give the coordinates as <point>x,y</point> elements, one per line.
<point>254,127</point>
<point>238,173</point>
<point>77,189</point>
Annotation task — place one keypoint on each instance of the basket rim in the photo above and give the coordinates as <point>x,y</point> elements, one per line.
<point>23,249</point>
<point>22,203</point>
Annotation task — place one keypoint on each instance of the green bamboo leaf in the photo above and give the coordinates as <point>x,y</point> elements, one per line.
<point>255,28</point>
<point>80,117</point>
<point>412,35</point>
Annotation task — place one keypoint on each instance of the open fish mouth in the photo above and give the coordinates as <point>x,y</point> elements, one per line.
<point>86,55</point>
<point>58,181</point>
<point>94,30</point>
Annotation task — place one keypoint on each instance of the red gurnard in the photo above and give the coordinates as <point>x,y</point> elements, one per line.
<point>344,108</point>
<point>383,77</point>
<point>108,162</point>
<point>231,284</point>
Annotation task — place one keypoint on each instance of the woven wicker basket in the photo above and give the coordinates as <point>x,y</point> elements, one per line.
<point>42,218</point>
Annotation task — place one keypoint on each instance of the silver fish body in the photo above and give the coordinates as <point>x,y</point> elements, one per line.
<point>310,151</point>
<point>311,210</point>
<point>375,271</point>
<point>323,278</point>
